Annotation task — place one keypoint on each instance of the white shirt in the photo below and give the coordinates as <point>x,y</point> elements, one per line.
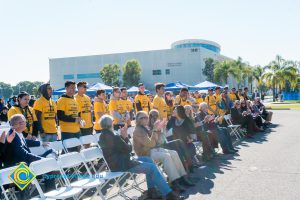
<point>23,141</point>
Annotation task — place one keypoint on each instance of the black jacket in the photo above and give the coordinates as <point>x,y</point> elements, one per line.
<point>116,151</point>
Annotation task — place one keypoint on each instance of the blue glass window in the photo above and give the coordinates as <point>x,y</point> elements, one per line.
<point>69,76</point>
<point>91,75</point>
<point>156,72</point>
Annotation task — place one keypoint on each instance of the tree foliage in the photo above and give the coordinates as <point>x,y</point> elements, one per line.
<point>208,70</point>
<point>6,90</point>
<point>110,74</point>
<point>132,73</point>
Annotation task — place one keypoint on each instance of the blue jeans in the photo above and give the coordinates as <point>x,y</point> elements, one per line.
<point>65,135</point>
<point>49,137</point>
<point>153,176</point>
<point>224,139</point>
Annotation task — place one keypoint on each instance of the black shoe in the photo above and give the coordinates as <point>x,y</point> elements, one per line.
<point>228,152</point>
<point>249,136</point>
<point>174,196</point>
<point>177,187</point>
<point>186,182</point>
<point>234,150</point>
<point>152,193</point>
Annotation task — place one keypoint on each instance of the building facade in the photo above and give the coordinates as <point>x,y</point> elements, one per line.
<point>183,62</point>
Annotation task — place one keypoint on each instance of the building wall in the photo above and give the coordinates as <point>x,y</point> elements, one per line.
<point>184,64</point>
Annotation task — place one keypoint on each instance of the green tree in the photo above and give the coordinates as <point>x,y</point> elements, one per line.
<point>6,90</point>
<point>208,70</point>
<point>222,71</point>
<point>257,76</point>
<point>132,73</point>
<point>110,74</point>
<point>26,86</point>
<point>278,72</point>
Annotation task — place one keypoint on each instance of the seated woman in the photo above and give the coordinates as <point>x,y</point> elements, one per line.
<point>183,129</point>
<point>145,146</point>
<point>243,118</point>
<point>176,145</point>
<point>116,150</point>
<point>211,124</point>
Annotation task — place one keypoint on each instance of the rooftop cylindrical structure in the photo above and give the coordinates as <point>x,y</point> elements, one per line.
<point>194,43</point>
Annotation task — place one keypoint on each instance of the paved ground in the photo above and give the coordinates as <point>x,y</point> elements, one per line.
<point>267,167</point>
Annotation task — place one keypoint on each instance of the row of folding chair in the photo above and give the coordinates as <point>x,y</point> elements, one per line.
<point>235,129</point>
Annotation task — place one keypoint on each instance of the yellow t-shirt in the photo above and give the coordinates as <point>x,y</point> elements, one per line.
<point>143,101</point>
<point>159,103</point>
<point>70,107</point>
<point>85,106</point>
<point>48,109</point>
<point>180,102</point>
<point>170,109</point>
<point>29,115</point>
<point>218,97</point>
<point>241,98</point>
<point>126,105</point>
<point>199,100</point>
<point>102,108</point>
<point>212,104</point>
<point>114,105</point>
<point>232,97</point>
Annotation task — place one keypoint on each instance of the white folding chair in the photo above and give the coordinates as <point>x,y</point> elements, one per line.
<point>88,139</point>
<point>4,180</point>
<point>71,143</point>
<point>95,153</point>
<point>37,150</point>
<point>87,181</point>
<point>234,128</point>
<point>47,165</point>
<point>57,146</point>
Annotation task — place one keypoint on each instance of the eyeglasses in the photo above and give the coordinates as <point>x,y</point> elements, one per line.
<point>145,117</point>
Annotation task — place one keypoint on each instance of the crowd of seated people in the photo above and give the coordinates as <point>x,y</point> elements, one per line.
<point>165,129</point>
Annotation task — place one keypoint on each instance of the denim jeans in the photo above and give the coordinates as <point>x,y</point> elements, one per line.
<point>224,139</point>
<point>49,137</point>
<point>153,176</point>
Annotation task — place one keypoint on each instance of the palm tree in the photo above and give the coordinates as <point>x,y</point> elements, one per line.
<point>222,71</point>
<point>257,75</point>
<point>278,72</point>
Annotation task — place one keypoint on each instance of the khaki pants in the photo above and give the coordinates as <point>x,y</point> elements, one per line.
<point>171,162</point>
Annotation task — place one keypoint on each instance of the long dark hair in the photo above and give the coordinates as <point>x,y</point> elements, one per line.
<point>168,102</point>
<point>181,112</point>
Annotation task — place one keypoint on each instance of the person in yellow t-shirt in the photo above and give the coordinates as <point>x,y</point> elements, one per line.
<point>232,95</point>
<point>198,97</point>
<point>68,113</point>
<point>85,109</point>
<point>126,104</point>
<point>183,98</point>
<point>100,109</point>
<point>218,94</point>
<point>31,131</point>
<point>45,109</point>
<point>159,102</point>
<point>170,103</point>
<point>211,101</point>
<point>240,94</point>
<point>141,101</point>
<point>116,110</point>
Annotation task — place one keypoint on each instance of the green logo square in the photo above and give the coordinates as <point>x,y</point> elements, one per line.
<point>22,176</point>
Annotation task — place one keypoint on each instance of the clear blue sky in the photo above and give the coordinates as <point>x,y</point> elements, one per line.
<point>34,30</point>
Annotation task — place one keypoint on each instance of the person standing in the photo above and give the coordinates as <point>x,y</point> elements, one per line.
<point>45,109</point>
<point>116,109</point>
<point>22,107</point>
<point>126,105</point>
<point>68,113</point>
<point>85,109</point>
<point>142,102</point>
<point>159,102</point>
<point>183,98</point>
<point>211,101</point>
<point>100,109</point>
